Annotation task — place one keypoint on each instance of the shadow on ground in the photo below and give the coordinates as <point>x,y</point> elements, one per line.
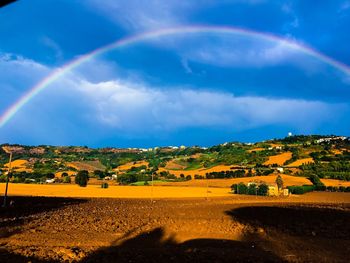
<point>154,247</point>
<point>20,210</point>
<point>271,234</point>
<point>299,233</point>
<point>322,222</point>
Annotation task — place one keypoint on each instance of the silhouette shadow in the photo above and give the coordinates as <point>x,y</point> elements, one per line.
<point>154,247</point>
<point>20,212</point>
<point>23,208</point>
<point>303,233</point>
<point>297,220</point>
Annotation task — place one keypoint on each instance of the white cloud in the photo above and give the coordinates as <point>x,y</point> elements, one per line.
<point>136,108</point>
<point>345,5</point>
<point>18,74</point>
<point>288,9</point>
<point>50,43</point>
<point>131,107</point>
<point>141,15</point>
<point>240,52</point>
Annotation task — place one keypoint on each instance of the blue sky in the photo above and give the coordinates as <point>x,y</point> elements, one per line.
<point>190,88</point>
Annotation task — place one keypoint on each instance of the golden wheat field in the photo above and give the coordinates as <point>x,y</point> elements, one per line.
<point>201,171</point>
<point>128,166</point>
<point>20,166</point>
<point>71,190</point>
<point>333,182</point>
<point>256,150</point>
<point>301,162</point>
<point>278,159</point>
<point>270,179</point>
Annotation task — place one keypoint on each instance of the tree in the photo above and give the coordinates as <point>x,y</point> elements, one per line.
<point>242,189</point>
<point>252,189</point>
<point>82,178</point>
<point>263,189</point>
<point>66,179</point>
<point>279,182</point>
<point>100,174</point>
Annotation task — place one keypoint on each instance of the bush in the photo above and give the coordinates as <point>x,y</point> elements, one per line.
<point>66,179</point>
<point>29,181</point>
<point>319,186</point>
<point>18,180</point>
<point>252,189</point>
<point>104,185</point>
<point>3,178</point>
<point>299,190</point>
<point>341,188</point>
<point>347,189</point>
<point>263,189</point>
<point>188,177</point>
<point>234,188</point>
<point>82,178</point>
<point>242,189</point>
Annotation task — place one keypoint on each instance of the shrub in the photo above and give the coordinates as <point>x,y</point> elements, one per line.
<point>319,186</point>
<point>341,188</point>
<point>299,190</point>
<point>64,174</point>
<point>234,188</point>
<point>252,189</point>
<point>28,181</point>
<point>242,189</point>
<point>66,179</point>
<point>188,177</point>
<point>82,178</point>
<point>3,178</point>
<point>347,189</point>
<point>104,185</point>
<point>263,189</point>
<point>329,188</point>
<point>18,180</point>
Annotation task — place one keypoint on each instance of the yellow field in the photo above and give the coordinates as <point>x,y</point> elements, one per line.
<point>202,171</point>
<point>256,150</point>
<point>278,159</point>
<point>128,166</point>
<point>225,183</point>
<point>301,162</point>
<point>71,190</point>
<point>337,151</point>
<point>20,166</point>
<point>333,182</point>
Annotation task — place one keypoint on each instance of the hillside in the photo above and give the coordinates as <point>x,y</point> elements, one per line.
<point>327,157</point>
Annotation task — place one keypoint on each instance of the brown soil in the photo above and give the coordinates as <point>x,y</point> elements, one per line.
<point>39,229</point>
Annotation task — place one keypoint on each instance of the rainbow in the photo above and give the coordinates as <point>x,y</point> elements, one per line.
<point>56,74</point>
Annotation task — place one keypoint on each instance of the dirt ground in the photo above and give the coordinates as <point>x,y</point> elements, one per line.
<point>309,228</point>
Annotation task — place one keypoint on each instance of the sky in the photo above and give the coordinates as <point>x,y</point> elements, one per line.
<point>201,87</point>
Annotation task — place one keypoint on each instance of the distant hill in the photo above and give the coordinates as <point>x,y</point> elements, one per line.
<point>326,156</point>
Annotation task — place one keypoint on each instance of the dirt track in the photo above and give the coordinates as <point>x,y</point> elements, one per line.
<point>182,230</point>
